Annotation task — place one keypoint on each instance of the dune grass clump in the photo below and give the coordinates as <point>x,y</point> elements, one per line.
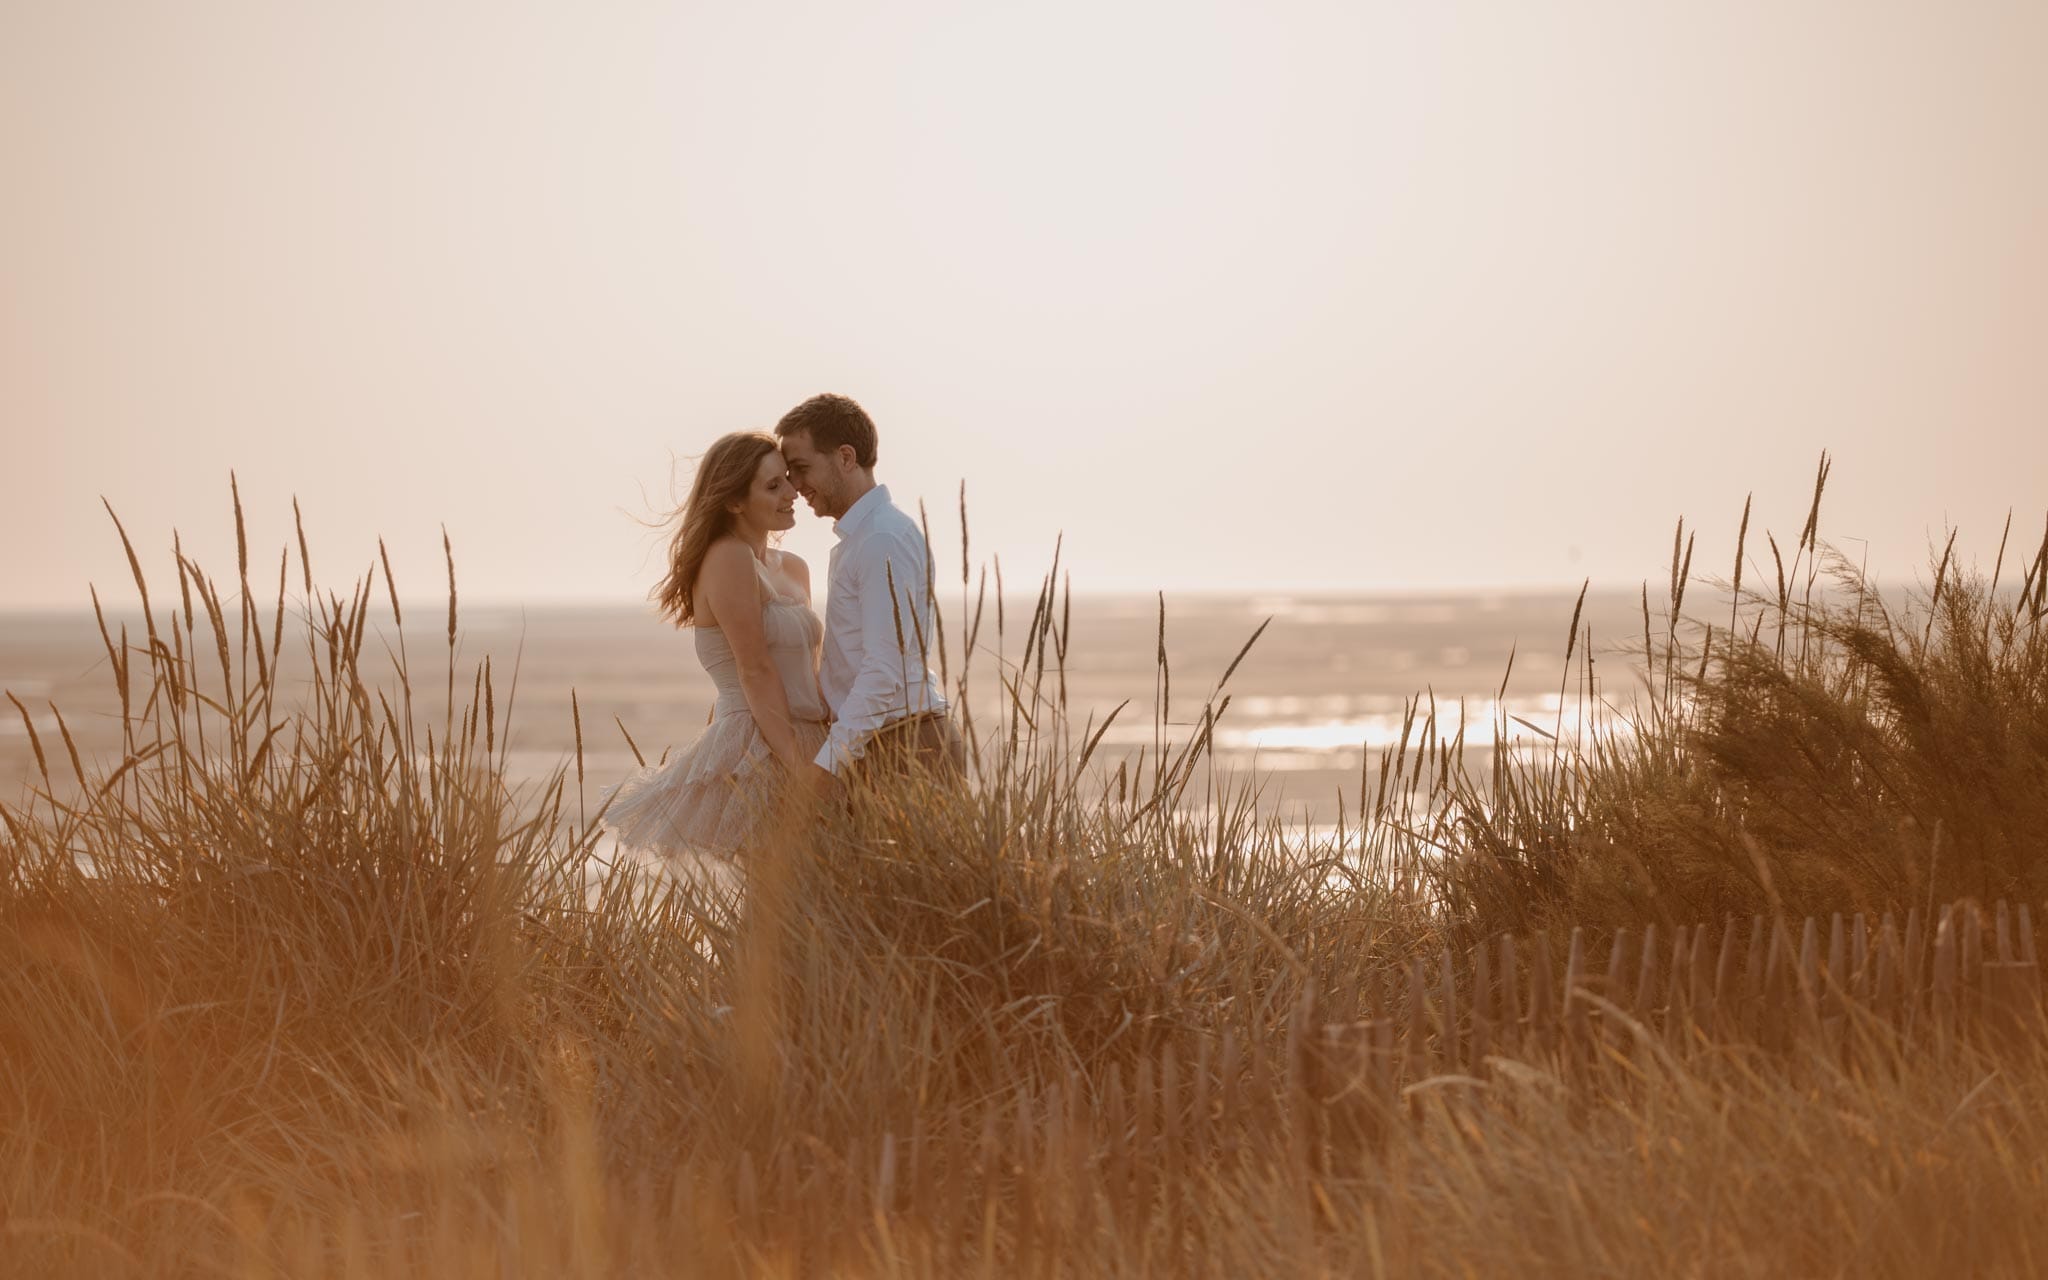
<point>304,957</point>
<point>228,957</point>
<point>1823,746</point>
<point>302,984</point>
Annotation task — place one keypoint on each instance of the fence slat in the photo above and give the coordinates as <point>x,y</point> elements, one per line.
<point>1077,1128</point>
<point>1117,1147</point>
<point>1617,953</point>
<point>1386,1084</point>
<point>1451,1049</point>
<point>1574,976</point>
<point>1890,962</point>
<point>1944,987</point>
<point>1510,989</point>
<point>1054,1138</point>
<point>1781,984</point>
<point>1229,1121</point>
<point>1024,1156</point>
<point>2012,991</point>
<point>1724,973</point>
<point>1970,970</point>
<point>1644,998</point>
<point>1482,1005</point>
<point>1809,955</point>
<point>857,1191</point>
<point>1702,973</point>
<point>1170,1135</point>
<point>1677,984</point>
<point>1775,962</point>
<point>988,1156</point>
<point>748,1198</point>
<point>1417,1021</point>
<point>1144,1153</point>
<point>1542,1010</point>
<point>920,1165</point>
<point>954,1184</point>
<point>1859,958</point>
<point>1753,964</point>
<point>885,1174</point>
<point>1913,960</point>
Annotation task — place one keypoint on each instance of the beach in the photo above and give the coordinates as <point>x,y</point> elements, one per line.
<point>1326,685</point>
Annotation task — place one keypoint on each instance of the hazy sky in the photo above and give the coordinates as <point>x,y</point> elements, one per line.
<point>1287,295</point>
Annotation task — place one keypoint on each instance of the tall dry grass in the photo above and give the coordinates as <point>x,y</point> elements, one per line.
<point>1822,745</point>
<point>300,985</point>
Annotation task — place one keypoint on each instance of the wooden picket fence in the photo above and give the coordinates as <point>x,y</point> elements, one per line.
<point>1973,974</point>
<point>1120,1151</point>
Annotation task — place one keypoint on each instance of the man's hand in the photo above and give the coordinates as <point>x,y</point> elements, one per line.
<point>821,784</point>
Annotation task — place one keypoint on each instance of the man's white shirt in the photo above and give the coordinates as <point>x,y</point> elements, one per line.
<point>877,590</point>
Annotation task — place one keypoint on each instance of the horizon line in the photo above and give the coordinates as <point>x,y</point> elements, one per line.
<point>493,603</point>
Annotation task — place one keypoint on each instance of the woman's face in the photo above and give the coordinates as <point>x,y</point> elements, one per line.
<point>770,504</point>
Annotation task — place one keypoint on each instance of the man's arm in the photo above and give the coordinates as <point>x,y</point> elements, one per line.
<point>889,671</point>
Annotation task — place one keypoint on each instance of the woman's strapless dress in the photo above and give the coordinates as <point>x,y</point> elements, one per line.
<point>711,796</point>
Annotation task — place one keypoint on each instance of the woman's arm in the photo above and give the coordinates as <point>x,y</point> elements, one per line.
<point>729,583</point>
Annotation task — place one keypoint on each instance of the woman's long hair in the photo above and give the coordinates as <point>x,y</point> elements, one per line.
<point>725,476</point>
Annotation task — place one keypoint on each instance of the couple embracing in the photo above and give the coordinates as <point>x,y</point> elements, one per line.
<point>805,707</point>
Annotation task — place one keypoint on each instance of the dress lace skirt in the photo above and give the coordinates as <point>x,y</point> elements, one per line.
<point>709,797</point>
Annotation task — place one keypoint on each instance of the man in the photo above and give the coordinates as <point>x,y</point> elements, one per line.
<point>889,715</point>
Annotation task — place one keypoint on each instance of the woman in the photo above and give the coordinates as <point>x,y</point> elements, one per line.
<point>757,637</point>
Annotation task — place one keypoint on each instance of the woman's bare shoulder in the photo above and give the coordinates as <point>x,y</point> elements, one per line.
<point>793,567</point>
<point>727,573</point>
<point>728,555</point>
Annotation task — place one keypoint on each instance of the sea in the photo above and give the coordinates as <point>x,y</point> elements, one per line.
<point>1324,690</point>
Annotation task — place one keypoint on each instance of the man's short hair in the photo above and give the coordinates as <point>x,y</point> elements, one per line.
<point>832,421</point>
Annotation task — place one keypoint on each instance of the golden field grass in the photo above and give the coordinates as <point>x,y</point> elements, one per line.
<point>299,986</point>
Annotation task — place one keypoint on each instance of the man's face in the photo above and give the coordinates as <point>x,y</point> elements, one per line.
<point>819,477</point>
